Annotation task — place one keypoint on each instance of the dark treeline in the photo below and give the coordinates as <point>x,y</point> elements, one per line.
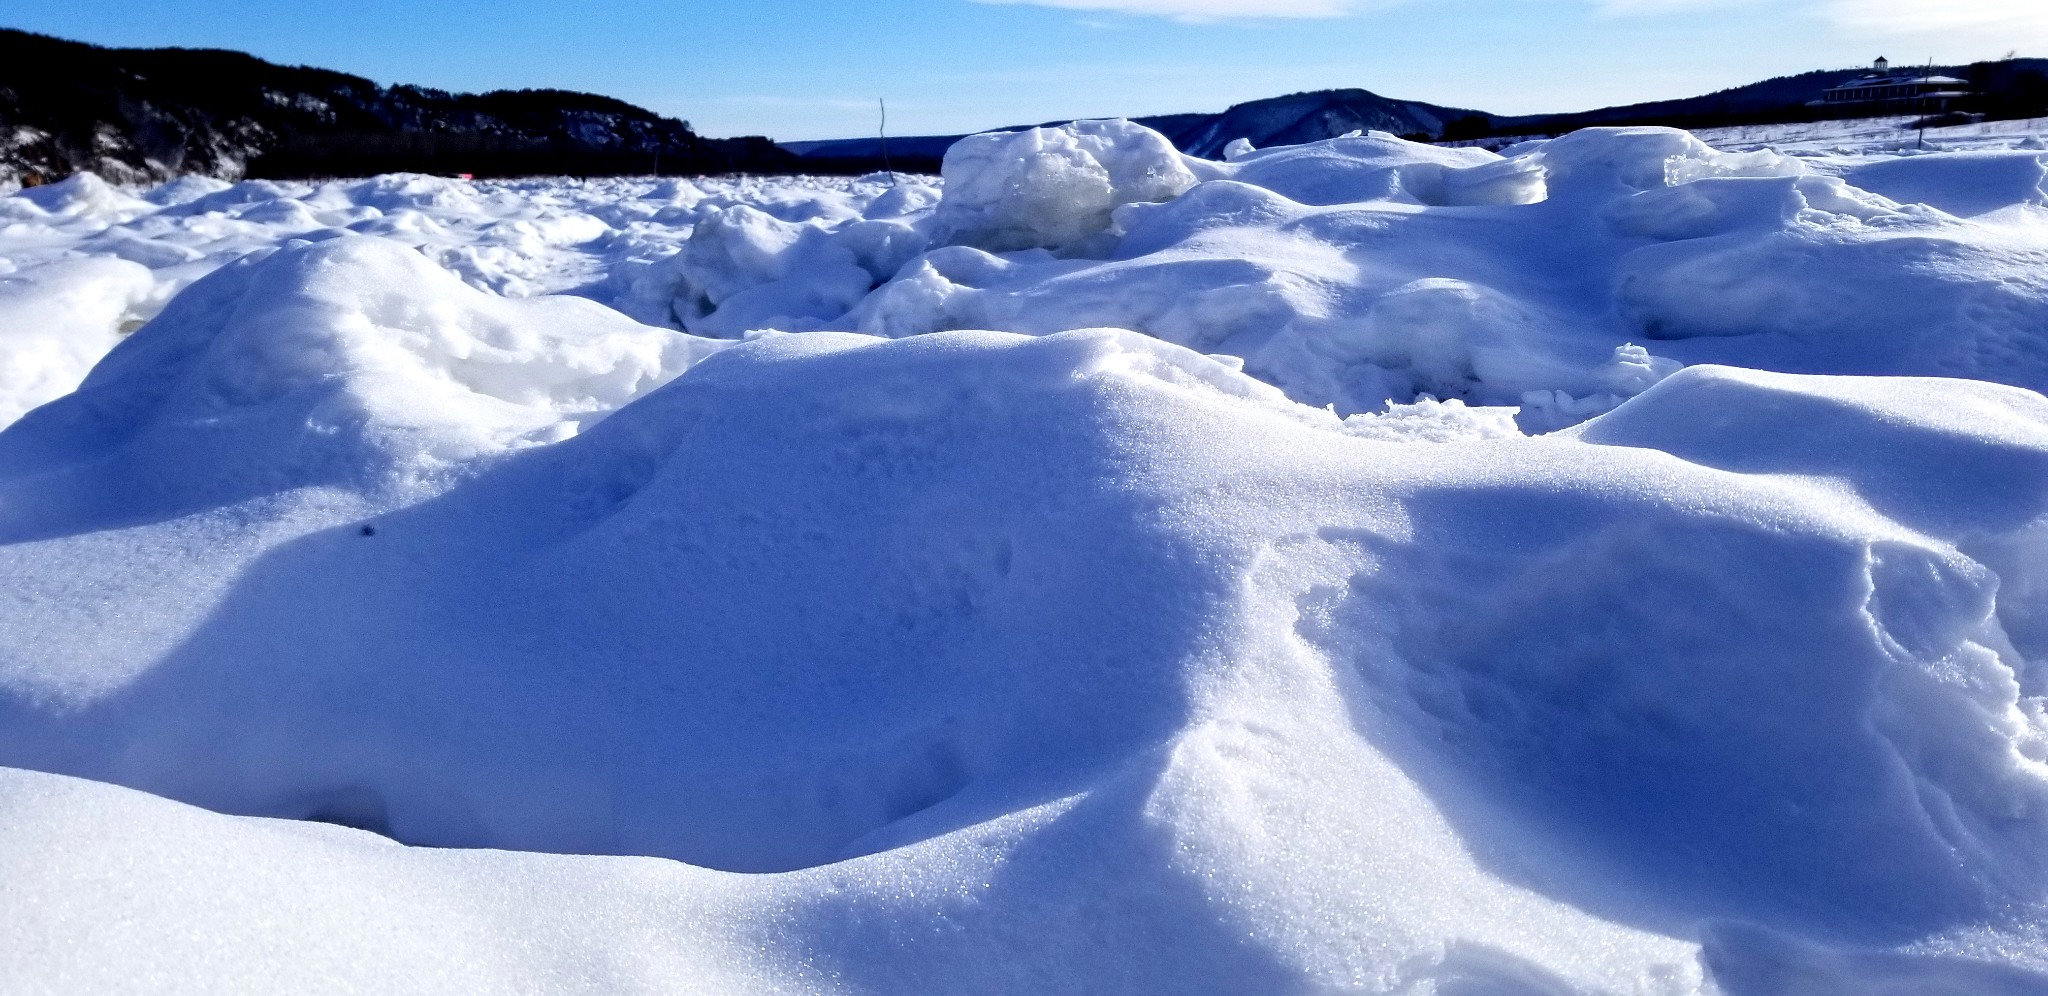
<point>2014,88</point>
<point>483,155</point>
<point>147,114</point>
<point>2001,90</point>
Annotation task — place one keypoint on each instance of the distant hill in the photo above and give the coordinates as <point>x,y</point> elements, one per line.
<point>2011,88</point>
<point>1289,120</point>
<point>149,114</point>
<point>1310,117</point>
<point>1785,98</point>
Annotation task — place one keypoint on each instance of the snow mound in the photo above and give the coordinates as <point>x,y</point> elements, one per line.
<point>744,269</point>
<point>1301,261</point>
<point>606,240</point>
<point>353,362</point>
<point>1366,270</point>
<point>57,320</point>
<point>1381,167</point>
<point>185,190</point>
<point>1057,640</point>
<point>84,196</point>
<point>1213,625</point>
<point>1967,184</point>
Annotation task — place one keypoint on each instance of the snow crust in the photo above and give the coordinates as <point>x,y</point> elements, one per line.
<point>751,619</point>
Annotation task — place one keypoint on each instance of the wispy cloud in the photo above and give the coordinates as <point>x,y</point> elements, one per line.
<point>2003,24</point>
<point>1211,10</point>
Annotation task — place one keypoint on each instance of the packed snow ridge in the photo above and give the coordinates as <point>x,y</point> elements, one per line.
<point>1615,566</point>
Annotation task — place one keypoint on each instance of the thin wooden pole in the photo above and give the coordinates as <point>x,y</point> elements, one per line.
<point>885,134</point>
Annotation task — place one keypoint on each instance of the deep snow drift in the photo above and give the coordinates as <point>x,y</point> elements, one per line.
<point>877,655</point>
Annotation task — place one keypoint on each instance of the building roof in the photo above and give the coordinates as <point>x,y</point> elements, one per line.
<point>1869,81</point>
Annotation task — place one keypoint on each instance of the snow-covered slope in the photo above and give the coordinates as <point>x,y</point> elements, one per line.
<point>506,643</point>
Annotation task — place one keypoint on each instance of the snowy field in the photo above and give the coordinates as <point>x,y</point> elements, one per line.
<point>1866,135</point>
<point>1614,567</point>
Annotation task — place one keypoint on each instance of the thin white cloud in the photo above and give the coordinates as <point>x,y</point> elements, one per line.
<point>1208,10</point>
<point>2005,24</point>
<point>2000,24</point>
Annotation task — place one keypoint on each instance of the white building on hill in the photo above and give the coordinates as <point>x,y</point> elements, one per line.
<point>1884,90</point>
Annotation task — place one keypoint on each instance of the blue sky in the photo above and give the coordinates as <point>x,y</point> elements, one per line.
<point>813,70</point>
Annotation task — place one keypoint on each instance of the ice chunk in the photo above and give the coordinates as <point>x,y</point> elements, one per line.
<point>744,270</point>
<point>1602,162</point>
<point>1430,420</point>
<point>1053,188</point>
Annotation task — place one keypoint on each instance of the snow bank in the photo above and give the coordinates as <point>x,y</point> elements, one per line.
<point>114,891</point>
<point>1379,166</point>
<point>1054,640</point>
<point>1211,627</point>
<point>392,364</point>
<point>1966,184</point>
<point>603,240</point>
<point>1308,262</point>
<point>57,320</point>
<point>80,197</point>
<point>1366,270</point>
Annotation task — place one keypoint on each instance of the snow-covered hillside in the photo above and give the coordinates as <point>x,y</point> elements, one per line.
<point>1615,567</point>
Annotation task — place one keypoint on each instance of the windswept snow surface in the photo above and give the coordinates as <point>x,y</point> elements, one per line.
<point>1619,567</point>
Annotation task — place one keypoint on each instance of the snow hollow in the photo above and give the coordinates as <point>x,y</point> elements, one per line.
<point>1615,565</point>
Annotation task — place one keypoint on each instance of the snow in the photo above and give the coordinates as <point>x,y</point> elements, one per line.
<point>1874,135</point>
<point>83,263</point>
<point>1610,567</point>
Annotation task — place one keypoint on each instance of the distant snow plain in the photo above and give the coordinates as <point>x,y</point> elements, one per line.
<point>1615,564</point>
